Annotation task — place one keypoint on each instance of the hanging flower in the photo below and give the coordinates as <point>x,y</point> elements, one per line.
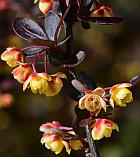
<point>54,143</point>
<point>22,72</point>
<point>93,101</point>
<point>12,56</point>
<point>43,83</point>
<point>102,11</point>
<point>102,128</point>
<point>54,138</point>
<point>76,144</point>
<point>120,94</point>
<point>45,5</point>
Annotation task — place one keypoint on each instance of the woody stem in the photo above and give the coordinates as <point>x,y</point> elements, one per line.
<point>92,145</point>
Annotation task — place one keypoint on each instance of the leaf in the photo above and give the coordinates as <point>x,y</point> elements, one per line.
<point>63,41</point>
<point>28,29</point>
<point>104,20</point>
<point>81,113</point>
<point>86,6</point>
<point>78,85</point>
<point>87,81</point>
<point>135,80</point>
<point>73,92</point>
<point>43,42</point>
<point>55,58</point>
<point>51,22</point>
<point>79,58</point>
<point>33,50</point>
<point>85,25</point>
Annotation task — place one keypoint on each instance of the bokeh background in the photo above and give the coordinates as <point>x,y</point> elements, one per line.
<point>112,56</point>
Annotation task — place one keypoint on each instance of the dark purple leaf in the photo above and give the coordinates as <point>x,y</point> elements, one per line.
<point>33,50</point>
<point>43,42</point>
<point>104,20</point>
<point>78,85</point>
<point>87,81</point>
<point>55,57</point>
<point>51,22</point>
<point>79,58</point>
<point>63,41</point>
<point>28,29</point>
<point>82,114</point>
<point>85,25</point>
<point>86,6</point>
<point>135,80</point>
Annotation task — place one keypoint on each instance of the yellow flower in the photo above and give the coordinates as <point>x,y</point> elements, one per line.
<point>102,11</point>
<point>45,5</point>
<point>22,72</point>
<point>102,128</point>
<point>54,143</point>
<point>12,55</point>
<point>120,94</point>
<point>76,144</point>
<point>53,136</point>
<point>93,101</point>
<point>43,83</point>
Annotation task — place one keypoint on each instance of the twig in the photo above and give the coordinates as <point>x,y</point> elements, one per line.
<point>92,145</point>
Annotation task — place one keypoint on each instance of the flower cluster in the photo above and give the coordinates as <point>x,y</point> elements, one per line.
<point>98,99</point>
<point>26,74</point>
<point>56,137</point>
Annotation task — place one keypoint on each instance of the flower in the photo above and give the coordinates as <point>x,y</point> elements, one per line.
<point>76,144</point>
<point>120,94</point>
<point>102,128</point>
<point>43,83</point>
<point>54,143</point>
<point>6,100</point>
<point>102,11</point>
<point>22,72</point>
<point>53,138</point>
<point>93,101</point>
<point>12,56</point>
<point>45,5</point>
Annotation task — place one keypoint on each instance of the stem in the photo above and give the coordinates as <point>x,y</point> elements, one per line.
<point>45,62</point>
<point>92,145</point>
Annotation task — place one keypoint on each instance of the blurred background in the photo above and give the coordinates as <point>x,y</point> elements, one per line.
<point>112,56</point>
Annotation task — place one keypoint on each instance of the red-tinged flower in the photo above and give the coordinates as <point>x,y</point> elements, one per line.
<point>102,128</point>
<point>12,56</point>
<point>43,83</point>
<point>38,82</point>
<point>120,94</point>
<point>55,84</point>
<point>102,11</point>
<point>22,72</point>
<point>55,143</point>
<point>4,5</point>
<point>54,138</point>
<point>6,100</point>
<point>45,5</point>
<point>93,101</point>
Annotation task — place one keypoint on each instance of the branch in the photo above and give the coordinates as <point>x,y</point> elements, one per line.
<point>92,145</point>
